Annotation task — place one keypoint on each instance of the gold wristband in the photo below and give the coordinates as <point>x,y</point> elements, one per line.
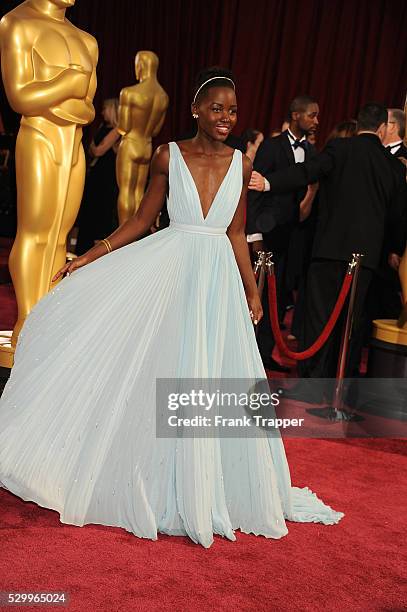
<point>107,245</point>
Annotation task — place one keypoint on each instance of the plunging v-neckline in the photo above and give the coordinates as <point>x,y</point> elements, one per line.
<point>196,188</point>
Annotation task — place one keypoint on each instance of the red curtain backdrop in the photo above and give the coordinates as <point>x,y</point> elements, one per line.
<point>342,52</point>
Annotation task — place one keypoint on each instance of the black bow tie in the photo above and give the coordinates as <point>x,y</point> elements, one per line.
<point>395,146</point>
<point>299,143</point>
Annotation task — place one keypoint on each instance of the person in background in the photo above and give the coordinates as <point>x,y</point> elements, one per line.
<point>98,213</point>
<point>344,129</point>
<point>394,142</point>
<point>396,131</point>
<point>271,219</point>
<point>362,204</point>
<point>384,300</point>
<point>252,139</point>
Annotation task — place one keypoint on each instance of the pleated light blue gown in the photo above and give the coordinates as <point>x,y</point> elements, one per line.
<point>77,417</point>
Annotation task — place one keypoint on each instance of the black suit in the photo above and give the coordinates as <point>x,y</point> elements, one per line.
<point>362,198</point>
<point>274,216</point>
<point>384,301</point>
<point>266,210</point>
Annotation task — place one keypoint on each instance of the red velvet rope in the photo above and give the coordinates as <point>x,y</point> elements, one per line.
<point>326,332</point>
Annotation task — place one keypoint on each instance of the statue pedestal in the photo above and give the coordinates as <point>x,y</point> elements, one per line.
<point>388,350</point>
<point>6,350</point>
<point>385,387</point>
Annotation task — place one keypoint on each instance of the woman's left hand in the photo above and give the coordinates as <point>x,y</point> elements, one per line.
<point>255,308</point>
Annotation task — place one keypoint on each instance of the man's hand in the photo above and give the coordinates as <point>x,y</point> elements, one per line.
<point>256,181</point>
<point>313,188</point>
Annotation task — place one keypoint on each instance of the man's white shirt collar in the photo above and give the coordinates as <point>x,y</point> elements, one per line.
<point>293,138</point>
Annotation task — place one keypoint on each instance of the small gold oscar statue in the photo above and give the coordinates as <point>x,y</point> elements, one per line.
<point>49,75</point>
<point>142,112</point>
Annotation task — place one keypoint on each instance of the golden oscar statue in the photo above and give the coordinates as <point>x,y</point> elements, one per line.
<point>49,75</point>
<point>142,112</point>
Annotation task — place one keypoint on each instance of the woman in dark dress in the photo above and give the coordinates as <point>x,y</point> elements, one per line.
<point>98,213</point>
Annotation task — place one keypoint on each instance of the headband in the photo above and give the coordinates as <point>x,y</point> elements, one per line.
<point>211,79</point>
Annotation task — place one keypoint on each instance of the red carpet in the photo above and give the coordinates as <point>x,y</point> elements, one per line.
<point>357,565</point>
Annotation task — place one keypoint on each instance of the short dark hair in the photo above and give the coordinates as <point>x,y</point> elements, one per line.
<point>371,116</point>
<point>223,75</point>
<point>300,104</point>
<point>400,118</point>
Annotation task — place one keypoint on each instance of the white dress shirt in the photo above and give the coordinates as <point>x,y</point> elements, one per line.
<point>394,146</point>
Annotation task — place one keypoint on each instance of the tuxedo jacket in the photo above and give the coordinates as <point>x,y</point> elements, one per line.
<point>268,213</point>
<point>362,198</point>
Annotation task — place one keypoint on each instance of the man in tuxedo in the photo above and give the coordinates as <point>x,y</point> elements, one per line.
<point>394,142</point>
<point>384,294</point>
<point>362,199</point>
<point>271,218</point>
<point>396,131</point>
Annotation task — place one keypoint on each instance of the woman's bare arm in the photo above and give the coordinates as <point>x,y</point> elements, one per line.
<point>107,143</point>
<point>240,247</point>
<point>140,223</point>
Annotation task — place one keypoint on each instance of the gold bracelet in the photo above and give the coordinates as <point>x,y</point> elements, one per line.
<point>107,245</point>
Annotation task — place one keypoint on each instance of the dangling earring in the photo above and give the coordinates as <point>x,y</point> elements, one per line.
<point>195,116</point>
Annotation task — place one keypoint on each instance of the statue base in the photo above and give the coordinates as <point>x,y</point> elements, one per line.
<point>387,330</point>
<point>6,350</point>
<point>388,350</point>
<point>386,377</point>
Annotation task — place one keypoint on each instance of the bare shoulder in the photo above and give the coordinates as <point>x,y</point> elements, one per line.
<point>161,159</point>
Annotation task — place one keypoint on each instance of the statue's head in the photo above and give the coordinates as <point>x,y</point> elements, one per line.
<point>146,63</point>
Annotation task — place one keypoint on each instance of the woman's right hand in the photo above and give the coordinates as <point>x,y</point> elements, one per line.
<point>255,308</point>
<point>71,266</point>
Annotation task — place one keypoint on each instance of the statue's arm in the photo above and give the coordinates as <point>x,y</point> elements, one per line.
<point>159,125</point>
<point>26,95</point>
<point>94,53</point>
<point>124,124</point>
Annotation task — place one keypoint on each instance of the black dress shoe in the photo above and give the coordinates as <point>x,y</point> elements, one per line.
<point>303,392</point>
<point>272,364</point>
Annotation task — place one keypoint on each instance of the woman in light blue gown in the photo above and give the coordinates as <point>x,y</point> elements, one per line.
<point>77,417</point>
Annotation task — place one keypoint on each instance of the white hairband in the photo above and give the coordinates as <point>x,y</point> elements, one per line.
<point>211,79</point>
